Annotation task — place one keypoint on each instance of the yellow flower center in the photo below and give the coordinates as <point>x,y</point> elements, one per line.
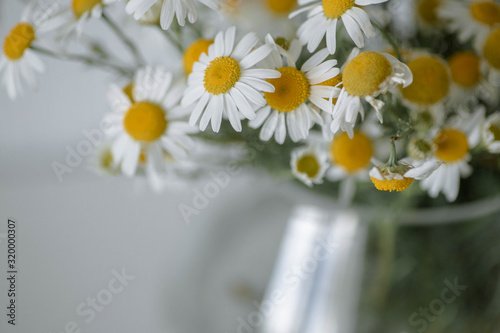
<point>281,6</point>
<point>364,74</point>
<point>427,10</point>
<point>392,184</point>
<point>486,12</point>
<point>431,81</point>
<point>333,83</point>
<point>464,67</point>
<point>495,130</point>
<point>352,154</point>
<point>291,90</point>
<point>491,49</point>
<point>451,145</point>
<point>128,91</point>
<point>81,7</point>
<point>18,40</point>
<point>145,121</point>
<point>336,8</point>
<point>221,75</point>
<point>193,53</point>
<point>309,165</point>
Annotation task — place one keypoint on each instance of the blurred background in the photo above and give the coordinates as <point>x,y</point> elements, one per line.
<point>212,274</point>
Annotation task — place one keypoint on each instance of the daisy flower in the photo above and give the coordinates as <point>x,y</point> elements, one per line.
<point>350,161</point>
<point>470,19</point>
<point>72,19</point>
<point>453,144</point>
<point>490,133</point>
<point>431,83</point>
<point>309,165</point>
<point>427,13</point>
<point>490,51</point>
<point>102,162</point>
<point>148,130</point>
<point>193,52</point>
<point>224,82</point>
<point>467,79</point>
<point>170,8</point>
<point>288,108</point>
<point>272,15</point>
<point>399,175</point>
<point>18,62</point>
<point>366,75</point>
<point>322,20</point>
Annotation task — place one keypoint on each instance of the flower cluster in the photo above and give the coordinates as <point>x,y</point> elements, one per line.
<point>321,82</point>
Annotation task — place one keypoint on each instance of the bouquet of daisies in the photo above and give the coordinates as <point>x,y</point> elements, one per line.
<point>339,94</point>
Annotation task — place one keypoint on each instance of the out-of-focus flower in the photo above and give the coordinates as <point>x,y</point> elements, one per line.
<point>323,17</point>
<point>309,165</point>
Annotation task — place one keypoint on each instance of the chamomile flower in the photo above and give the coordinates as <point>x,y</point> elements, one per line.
<point>427,13</point>
<point>148,130</point>
<point>490,133</point>
<point>102,162</point>
<point>350,159</point>
<point>309,165</point>
<point>466,78</point>
<point>399,175</point>
<point>470,19</point>
<point>18,62</point>
<point>272,15</point>
<point>224,82</point>
<point>490,51</point>
<point>431,83</point>
<point>170,8</point>
<point>289,108</point>
<point>366,75</point>
<point>453,144</point>
<point>323,17</point>
<point>193,52</point>
<point>73,18</point>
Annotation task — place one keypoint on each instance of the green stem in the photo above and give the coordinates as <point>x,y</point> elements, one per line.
<point>130,45</point>
<point>84,59</point>
<point>174,41</point>
<point>389,39</point>
<point>393,158</point>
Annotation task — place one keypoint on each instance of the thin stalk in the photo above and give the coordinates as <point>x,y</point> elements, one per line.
<point>174,41</point>
<point>392,158</point>
<point>389,39</point>
<point>126,40</point>
<point>84,59</point>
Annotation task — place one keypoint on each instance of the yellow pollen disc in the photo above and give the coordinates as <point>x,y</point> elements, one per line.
<point>491,49</point>
<point>18,40</point>
<point>333,82</point>
<point>221,75</point>
<point>193,53</point>
<point>364,74</point>
<point>128,91</point>
<point>145,121</point>
<point>107,159</point>
<point>392,184</point>
<point>291,90</point>
<point>486,12</point>
<point>431,81</point>
<point>281,6</point>
<point>495,130</point>
<point>451,145</point>
<point>427,10</point>
<point>81,7</point>
<point>336,8</point>
<point>464,67</point>
<point>309,165</point>
<point>352,154</point>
